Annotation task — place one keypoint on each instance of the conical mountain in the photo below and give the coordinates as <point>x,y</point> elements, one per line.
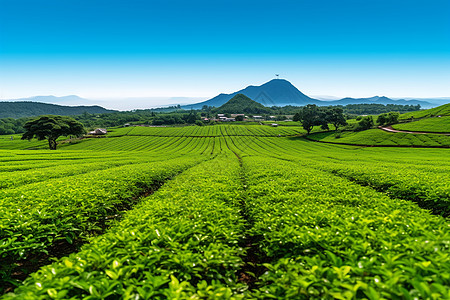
<point>280,92</point>
<point>241,104</point>
<point>277,92</point>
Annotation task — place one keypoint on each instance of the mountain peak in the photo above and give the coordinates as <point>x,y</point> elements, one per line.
<point>278,81</point>
<point>276,92</point>
<point>280,92</point>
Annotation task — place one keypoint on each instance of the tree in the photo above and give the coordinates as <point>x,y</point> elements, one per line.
<point>393,117</point>
<point>388,119</point>
<point>310,116</point>
<point>335,116</point>
<point>51,128</point>
<point>381,119</point>
<point>192,117</point>
<point>365,123</point>
<point>239,118</point>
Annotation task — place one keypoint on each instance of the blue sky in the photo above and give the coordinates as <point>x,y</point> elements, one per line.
<point>113,49</point>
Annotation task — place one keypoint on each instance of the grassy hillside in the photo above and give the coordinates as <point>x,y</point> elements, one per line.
<point>443,110</point>
<point>30,109</point>
<point>379,137</point>
<point>241,104</point>
<point>434,124</point>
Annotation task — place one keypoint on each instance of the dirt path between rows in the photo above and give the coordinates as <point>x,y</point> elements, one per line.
<point>390,129</point>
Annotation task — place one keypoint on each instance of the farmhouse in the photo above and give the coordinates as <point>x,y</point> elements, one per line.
<point>227,119</point>
<point>98,131</point>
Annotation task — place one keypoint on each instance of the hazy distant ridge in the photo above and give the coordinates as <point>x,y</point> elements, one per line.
<point>19,109</point>
<point>280,92</point>
<point>378,100</point>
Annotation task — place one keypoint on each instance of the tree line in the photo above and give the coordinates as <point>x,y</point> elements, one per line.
<point>312,115</point>
<point>175,115</point>
<point>51,127</point>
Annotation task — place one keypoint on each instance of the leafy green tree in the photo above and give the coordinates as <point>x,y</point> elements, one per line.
<point>381,119</point>
<point>51,128</point>
<point>393,117</point>
<point>240,118</point>
<point>335,116</point>
<point>5,130</point>
<point>310,115</point>
<point>388,119</point>
<point>365,123</point>
<point>192,117</point>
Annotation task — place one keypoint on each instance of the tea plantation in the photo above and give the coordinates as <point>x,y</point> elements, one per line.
<point>225,212</point>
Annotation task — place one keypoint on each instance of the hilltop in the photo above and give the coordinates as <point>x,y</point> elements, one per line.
<point>280,92</point>
<point>241,104</point>
<point>22,109</point>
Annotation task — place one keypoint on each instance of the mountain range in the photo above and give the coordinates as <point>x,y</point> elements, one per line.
<point>63,100</point>
<point>280,92</point>
<point>20,109</point>
<point>277,92</point>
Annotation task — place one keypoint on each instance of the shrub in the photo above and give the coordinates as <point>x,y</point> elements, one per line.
<point>365,123</point>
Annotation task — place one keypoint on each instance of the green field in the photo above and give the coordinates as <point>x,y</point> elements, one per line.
<point>14,142</point>
<point>443,110</point>
<point>435,124</point>
<point>226,212</point>
<point>378,137</point>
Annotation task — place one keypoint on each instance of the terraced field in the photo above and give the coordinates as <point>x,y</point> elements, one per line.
<point>224,212</point>
<point>435,124</point>
<point>443,110</point>
<point>378,137</point>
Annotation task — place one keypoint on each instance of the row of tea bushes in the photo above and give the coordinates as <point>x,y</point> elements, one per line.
<point>39,216</point>
<point>12,180</point>
<point>324,237</point>
<point>182,242</point>
<point>429,186</point>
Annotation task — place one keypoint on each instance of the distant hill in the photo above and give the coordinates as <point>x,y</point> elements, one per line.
<point>241,104</point>
<point>22,109</point>
<point>434,101</point>
<point>71,100</point>
<point>443,110</point>
<point>280,92</point>
<point>377,100</point>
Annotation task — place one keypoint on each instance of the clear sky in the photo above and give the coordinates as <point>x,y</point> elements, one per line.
<point>137,48</point>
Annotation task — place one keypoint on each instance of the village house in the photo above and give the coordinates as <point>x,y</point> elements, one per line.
<point>227,119</point>
<point>98,131</point>
<point>237,115</point>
